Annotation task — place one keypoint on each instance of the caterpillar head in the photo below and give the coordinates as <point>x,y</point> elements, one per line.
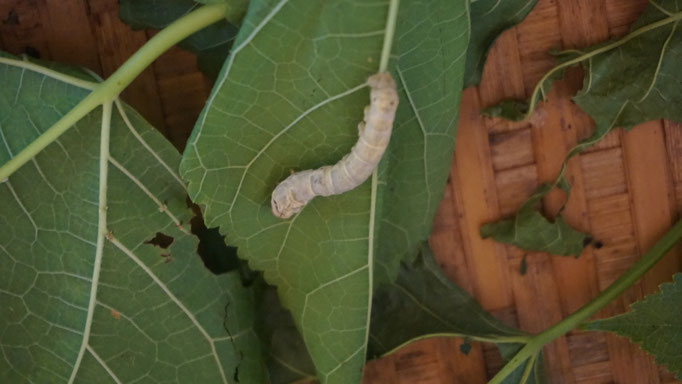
<point>283,202</point>
<point>383,94</point>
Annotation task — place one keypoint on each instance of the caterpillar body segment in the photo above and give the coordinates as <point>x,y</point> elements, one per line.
<point>374,133</point>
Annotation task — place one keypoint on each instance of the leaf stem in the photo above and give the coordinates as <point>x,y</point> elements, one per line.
<point>640,31</point>
<point>109,90</point>
<point>102,231</point>
<point>616,288</point>
<point>528,369</point>
<point>578,148</point>
<point>388,35</point>
<point>383,66</point>
<point>519,339</point>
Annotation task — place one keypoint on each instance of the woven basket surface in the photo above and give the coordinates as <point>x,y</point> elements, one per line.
<point>627,190</point>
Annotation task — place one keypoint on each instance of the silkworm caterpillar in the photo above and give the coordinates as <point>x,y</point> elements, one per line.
<point>374,132</point>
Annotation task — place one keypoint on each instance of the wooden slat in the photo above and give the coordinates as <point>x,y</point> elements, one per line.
<point>116,43</point>
<point>179,84</point>
<point>514,186</point>
<point>622,13</point>
<point>673,135</point>
<point>22,28</point>
<point>59,33</point>
<point>536,36</point>
<point>511,149</point>
<point>537,299</point>
<point>603,173</point>
<point>380,371</point>
<point>583,22</point>
<point>476,186</point>
<point>446,242</point>
<point>653,195</point>
<point>587,348</point>
<point>560,132</point>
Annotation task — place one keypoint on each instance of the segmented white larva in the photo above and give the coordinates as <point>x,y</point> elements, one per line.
<point>292,194</point>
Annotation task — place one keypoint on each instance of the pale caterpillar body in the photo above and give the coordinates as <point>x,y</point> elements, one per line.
<point>374,132</point>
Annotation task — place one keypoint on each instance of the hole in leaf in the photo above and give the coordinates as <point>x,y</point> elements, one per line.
<point>217,256</point>
<point>161,240</point>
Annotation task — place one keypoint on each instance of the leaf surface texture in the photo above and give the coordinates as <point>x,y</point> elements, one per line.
<point>653,323</point>
<point>290,97</point>
<point>211,44</point>
<point>87,300</point>
<point>489,18</point>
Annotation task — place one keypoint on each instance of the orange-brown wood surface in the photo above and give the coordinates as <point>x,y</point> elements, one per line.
<point>627,190</point>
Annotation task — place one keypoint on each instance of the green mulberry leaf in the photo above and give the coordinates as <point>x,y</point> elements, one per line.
<point>211,44</point>
<point>101,280</point>
<point>654,323</point>
<point>531,231</point>
<point>424,303</point>
<point>489,18</point>
<point>290,97</point>
<point>627,82</point>
<point>630,80</point>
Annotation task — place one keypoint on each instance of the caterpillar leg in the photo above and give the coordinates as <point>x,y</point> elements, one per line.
<point>361,128</point>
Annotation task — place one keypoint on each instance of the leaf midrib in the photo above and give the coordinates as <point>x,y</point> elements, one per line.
<point>103,233</point>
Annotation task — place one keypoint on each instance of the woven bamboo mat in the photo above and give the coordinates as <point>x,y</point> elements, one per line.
<point>627,190</point>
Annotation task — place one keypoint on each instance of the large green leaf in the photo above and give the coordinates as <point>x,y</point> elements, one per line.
<point>518,110</point>
<point>531,231</point>
<point>430,49</point>
<point>86,295</point>
<point>236,11</point>
<point>489,18</point>
<point>631,80</point>
<point>532,372</point>
<point>638,78</point>
<point>424,303</point>
<point>211,44</point>
<point>654,323</point>
<point>627,82</point>
<point>287,358</point>
<point>289,98</point>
